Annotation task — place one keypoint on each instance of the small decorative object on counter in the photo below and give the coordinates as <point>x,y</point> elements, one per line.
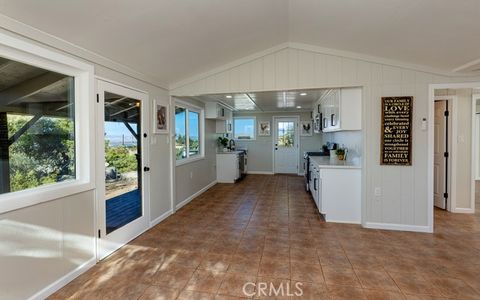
<point>341,153</point>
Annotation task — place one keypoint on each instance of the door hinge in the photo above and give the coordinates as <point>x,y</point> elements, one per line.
<point>445,195</point>
<point>446,113</point>
<point>445,154</point>
<point>98,98</point>
<point>99,234</point>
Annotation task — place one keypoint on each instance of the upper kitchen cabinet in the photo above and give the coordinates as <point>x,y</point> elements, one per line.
<point>215,110</point>
<point>340,109</point>
<point>223,115</point>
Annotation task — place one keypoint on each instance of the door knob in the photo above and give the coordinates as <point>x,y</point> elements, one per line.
<point>146,169</point>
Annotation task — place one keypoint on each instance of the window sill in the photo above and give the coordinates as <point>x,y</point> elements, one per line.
<point>188,160</point>
<point>25,198</point>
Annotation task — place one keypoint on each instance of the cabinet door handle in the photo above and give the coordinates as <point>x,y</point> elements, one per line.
<point>333,120</point>
<point>315,183</point>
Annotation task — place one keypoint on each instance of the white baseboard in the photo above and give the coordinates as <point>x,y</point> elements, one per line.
<point>463,211</point>
<point>343,222</point>
<point>160,218</point>
<point>55,286</point>
<point>203,190</point>
<point>399,227</point>
<point>260,172</point>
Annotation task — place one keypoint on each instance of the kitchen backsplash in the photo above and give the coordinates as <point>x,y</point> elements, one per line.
<point>352,140</point>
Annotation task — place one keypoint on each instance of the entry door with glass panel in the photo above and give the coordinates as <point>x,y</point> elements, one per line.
<point>121,171</point>
<point>286,145</point>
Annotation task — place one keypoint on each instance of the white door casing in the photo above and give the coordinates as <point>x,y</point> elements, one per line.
<point>286,145</point>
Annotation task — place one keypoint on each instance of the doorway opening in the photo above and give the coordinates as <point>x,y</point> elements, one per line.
<point>453,159</point>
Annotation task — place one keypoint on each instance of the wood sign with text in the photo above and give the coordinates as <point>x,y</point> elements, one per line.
<point>396,147</point>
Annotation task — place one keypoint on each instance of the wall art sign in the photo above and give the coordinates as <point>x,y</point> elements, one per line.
<point>396,145</point>
<point>160,118</point>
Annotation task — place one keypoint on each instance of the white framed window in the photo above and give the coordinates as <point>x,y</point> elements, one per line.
<point>244,128</point>
<point>189,132</point>
<point>46,102</point>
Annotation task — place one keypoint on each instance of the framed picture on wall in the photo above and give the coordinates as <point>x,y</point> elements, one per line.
<point>306,128</point>
<point>264,128</point>
<point>160,118</point>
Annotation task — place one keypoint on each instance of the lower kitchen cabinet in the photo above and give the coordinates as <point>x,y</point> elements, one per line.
<point>340,195</point>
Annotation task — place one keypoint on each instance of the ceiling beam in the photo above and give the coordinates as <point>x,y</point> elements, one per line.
<point>28,88</point>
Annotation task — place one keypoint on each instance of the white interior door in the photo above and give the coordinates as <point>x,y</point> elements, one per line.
<point>286,145</point>
<point>440,161</point>
<point>122,153</point>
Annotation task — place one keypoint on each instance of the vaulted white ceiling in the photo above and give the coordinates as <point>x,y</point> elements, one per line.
<point>175,39</point>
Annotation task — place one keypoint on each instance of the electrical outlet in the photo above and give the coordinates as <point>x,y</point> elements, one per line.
<point>378,191</point>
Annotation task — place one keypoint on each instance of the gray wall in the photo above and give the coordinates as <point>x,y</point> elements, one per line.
<point>260,154</point>
<point>194,176</point>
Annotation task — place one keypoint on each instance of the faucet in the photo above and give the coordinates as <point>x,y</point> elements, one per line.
<point>231,144</point>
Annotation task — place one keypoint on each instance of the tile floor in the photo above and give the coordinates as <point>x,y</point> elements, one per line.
<point>265,230</point>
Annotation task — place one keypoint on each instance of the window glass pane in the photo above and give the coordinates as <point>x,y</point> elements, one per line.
<point>194,133</point>
<point>37,127</point>
<point>180,133</point>
<point>244,129</point>
<point>286,134</point>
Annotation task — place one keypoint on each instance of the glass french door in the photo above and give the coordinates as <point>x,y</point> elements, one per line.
<point>121,171</point>
<point>286,145</point>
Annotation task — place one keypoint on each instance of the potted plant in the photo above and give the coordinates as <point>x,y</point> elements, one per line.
<point>222,142</point>
<point>340,154</point>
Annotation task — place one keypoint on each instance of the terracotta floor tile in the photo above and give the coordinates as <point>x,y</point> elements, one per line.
<point>268,225</point>
<point>341,292</point>
<point>378,280</point>
<point>191,295</point>
<point>238,285</point>
<point>273,288</point>
<point>308,290</point>
<point>275,268</point>
<point>155,293</point>
<point>215,262</point>
<point>306,272</point>
<point>383,295</point>
<point>340,276</point>
<point>454,288</point>
<point>414,284</point>
<point>172,275</point>
<point>205,281</point>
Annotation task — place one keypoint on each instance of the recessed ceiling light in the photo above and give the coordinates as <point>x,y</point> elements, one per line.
<point>303,94</point>
<point>299,106</point>
<point>228,96</point>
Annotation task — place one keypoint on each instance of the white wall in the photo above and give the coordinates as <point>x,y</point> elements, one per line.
<point>404,201</point>
<point>41,244</point>
<point>260,154</point>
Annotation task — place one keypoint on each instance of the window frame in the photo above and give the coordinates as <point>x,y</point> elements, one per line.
<point>254,128</point>
<point>32,54</point>
<point>201,132</point>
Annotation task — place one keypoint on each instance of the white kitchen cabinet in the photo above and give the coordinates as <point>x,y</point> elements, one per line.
<point>341,195</point>
<point>224,126</point>
<point>342,110</point>
<point>215,110</point>
<point>228,167</point>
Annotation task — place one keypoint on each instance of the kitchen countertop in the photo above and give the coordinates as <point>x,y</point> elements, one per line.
<point>326,162</point>
<point>229,152</point>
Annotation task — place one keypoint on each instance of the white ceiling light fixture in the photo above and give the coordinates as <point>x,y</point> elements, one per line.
<point>298,106</point>
<point>303,94</point>
<point>228,96</point>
